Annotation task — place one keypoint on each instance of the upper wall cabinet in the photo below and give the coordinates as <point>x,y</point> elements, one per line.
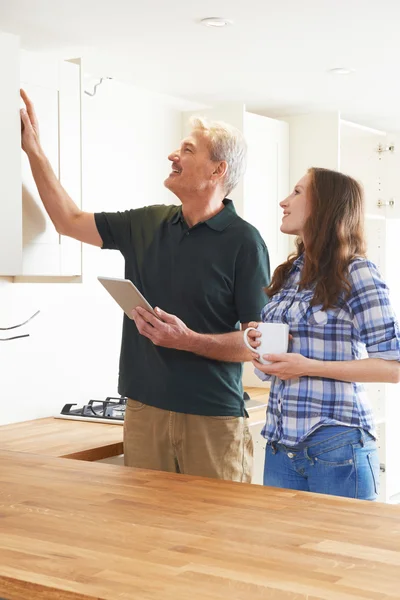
<point>10,159</point>
<point>55,89</point>
<point>266,181</point>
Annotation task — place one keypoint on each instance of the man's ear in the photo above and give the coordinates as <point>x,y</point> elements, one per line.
<point>220,170</point>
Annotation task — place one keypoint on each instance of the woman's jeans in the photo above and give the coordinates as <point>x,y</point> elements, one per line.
<point>336,460</point>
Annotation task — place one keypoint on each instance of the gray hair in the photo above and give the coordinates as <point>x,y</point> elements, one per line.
<point>226,143</point>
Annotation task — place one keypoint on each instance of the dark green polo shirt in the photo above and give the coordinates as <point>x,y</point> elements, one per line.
<point>212,277</point>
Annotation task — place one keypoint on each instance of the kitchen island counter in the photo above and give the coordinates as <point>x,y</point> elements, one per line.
<point>74,530</point>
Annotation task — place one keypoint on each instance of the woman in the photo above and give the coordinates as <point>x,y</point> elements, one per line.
<point>319,430</point>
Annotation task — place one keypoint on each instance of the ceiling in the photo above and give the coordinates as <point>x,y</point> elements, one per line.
<point>274,57</point>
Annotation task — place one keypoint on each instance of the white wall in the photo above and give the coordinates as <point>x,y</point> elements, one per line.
<point>72,354</point>
<point>314,142</point>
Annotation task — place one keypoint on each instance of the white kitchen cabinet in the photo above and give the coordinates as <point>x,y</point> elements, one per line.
<point>10,159</point>
<point>55,89</point>
<point>372,157</point>
<point>314,141</point>
<point>29,244</point>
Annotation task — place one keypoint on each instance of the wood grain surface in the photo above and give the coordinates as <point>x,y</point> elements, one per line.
<point>81,440</point>
<point>72,530</point>
<point>85,440</point>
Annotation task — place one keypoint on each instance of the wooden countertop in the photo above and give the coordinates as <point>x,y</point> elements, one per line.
<point>85,440</point>
<point>81,440</point>
<point>73,530</point>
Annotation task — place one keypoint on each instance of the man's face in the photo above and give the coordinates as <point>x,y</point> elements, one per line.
<point>193,171</point>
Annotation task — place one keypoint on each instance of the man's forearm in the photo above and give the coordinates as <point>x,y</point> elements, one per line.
<point>58,204</point>
<point>227,347</point>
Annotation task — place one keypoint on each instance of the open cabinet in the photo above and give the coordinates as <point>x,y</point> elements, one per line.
<point>29,244</point>
<point>10,159</point>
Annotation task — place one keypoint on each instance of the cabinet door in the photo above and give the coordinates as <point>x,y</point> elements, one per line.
<point>391,159</point>
<point>70,156</point>
<point>359,157</point>
<point>10,158</point>
<point>314,142</point>
<point>266,181</point>
<point>39,234</point>
<point>55,91</point>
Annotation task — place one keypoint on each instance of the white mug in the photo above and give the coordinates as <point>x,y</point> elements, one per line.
<point>274,339</point>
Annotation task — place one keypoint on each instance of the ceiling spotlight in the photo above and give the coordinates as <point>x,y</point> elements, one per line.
<point>340,71</point>
<point>215,22</point>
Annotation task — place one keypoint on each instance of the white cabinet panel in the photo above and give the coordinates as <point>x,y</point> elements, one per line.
<point>38,69</point>
<point>375,233</point>
<point>70,128</point>
<point>37,226</point>
<point>314,142</point>
<point>29,243</point>
<point>360,159</point>
<point>70,156</point>
<point>10,158</point>
<point>266,182</point>
<point>391,209</point>
<point>57,99</point>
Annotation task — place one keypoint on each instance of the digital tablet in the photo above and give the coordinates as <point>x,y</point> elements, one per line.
<point>125,294</point>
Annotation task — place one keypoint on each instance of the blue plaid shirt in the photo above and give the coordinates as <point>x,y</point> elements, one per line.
<point>363,325</point>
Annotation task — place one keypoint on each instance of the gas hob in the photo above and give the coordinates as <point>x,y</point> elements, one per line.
<point>110,410</point>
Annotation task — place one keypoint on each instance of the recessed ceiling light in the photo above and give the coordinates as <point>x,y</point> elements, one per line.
<point>340,71</point>
<point>215,22</point>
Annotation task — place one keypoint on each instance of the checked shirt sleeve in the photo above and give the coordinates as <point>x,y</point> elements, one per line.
<point>373,316</point>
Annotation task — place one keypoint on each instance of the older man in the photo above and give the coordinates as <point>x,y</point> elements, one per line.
<point>206,268</point>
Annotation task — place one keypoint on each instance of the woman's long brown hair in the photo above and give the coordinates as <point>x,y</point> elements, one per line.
<point>334,234</point>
